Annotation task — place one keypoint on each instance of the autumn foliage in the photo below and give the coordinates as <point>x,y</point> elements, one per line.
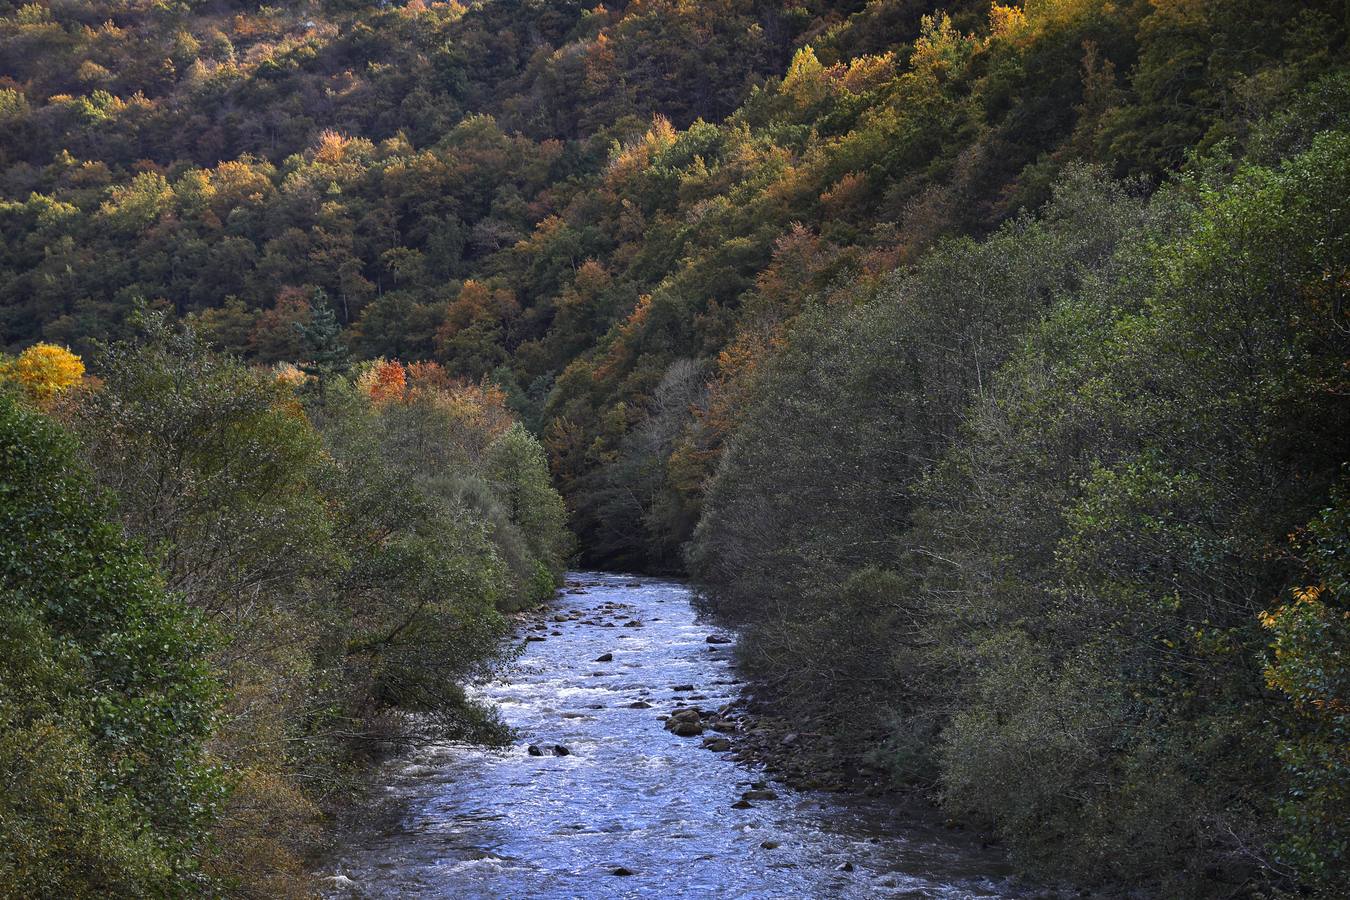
<point>44,371</point>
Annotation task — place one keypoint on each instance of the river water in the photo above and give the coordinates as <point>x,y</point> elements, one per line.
<point>461,822</point>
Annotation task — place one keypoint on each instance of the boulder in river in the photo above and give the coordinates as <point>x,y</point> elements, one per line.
<point>717,744</point>
<point>560,750</point>
<point>620,870</point>
<point>605,657</point>
<point>639,704</point>
<point>534,637</point>
<point>770,845</point>
<point>682,687</point>
<point>741,804</point>
<point>684,729</point>
<point>533,750</point>
<point>718,639</point>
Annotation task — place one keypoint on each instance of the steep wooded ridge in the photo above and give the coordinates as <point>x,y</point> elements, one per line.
<point>986,362</point>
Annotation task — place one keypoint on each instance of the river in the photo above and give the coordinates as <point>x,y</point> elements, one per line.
<point>630,796</point>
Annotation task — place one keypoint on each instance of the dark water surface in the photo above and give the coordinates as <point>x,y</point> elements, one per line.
<point>464,823</point>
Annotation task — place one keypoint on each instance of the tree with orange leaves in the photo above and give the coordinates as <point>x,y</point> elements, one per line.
<point>384,382</point>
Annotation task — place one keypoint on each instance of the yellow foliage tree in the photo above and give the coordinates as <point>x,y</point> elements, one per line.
<point>44,370</point>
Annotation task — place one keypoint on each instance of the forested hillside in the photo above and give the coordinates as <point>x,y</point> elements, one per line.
<point>987,362</point>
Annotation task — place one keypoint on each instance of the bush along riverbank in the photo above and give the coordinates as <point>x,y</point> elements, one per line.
<point>227,588</point>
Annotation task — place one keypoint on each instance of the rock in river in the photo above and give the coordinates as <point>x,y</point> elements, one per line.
<point>605,657</point>
<point>685,729</point>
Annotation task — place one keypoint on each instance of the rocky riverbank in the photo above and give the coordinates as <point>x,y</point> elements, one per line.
<point>638,752</point>
<point>753,729</point>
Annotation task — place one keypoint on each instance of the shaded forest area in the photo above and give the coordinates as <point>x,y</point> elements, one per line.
<point>986,362</point>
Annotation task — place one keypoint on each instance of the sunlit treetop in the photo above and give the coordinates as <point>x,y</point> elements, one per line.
<point>44,371</point>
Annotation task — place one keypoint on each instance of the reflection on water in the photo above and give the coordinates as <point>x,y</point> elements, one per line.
<point>462,822</point>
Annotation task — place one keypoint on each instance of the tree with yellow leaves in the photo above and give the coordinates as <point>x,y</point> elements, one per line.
<point>43,371</point>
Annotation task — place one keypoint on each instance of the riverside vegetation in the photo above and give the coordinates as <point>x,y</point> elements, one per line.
<point>986,362</point>
<point>225,587</point>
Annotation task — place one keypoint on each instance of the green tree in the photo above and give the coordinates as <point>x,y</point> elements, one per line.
<point>105,701</point>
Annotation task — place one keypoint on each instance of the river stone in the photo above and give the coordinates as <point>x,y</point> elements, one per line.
<point>560,750</point>
<point>770,845</point>
<point>605,657</point>
<point>620,870</point>
<point>682,687</point>
<point>688,714</point>
<point>534,637</point>
<point>632,624</point>
<point>687,729</point>
<point>844,867</point>
<point>534,750</point>
<point>639,704</point>
<point>718,639</point>
<point>717,744</point>
<point>741,804</point>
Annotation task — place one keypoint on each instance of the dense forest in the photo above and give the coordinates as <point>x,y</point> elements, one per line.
<point>225,588</point>
<point>986,363</point>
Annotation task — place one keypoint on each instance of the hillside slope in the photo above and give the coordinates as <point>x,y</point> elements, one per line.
<point>984,360</point>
